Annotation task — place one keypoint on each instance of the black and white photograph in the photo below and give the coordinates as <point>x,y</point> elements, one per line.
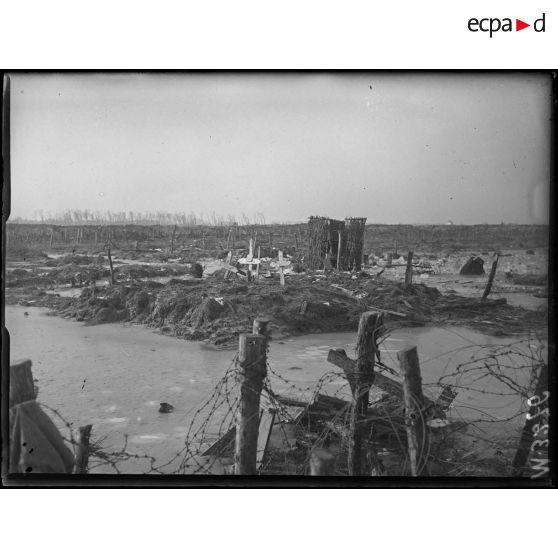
<point>303,278</point>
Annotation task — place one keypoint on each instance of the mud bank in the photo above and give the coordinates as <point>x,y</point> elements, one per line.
<point>217,310</point>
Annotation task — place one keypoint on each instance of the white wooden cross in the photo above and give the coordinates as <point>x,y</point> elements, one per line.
<point>250,258</point>
<point>281,264</point>
<point>250,261</point>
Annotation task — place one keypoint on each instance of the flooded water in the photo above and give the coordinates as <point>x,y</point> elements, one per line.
<point>114,376</point>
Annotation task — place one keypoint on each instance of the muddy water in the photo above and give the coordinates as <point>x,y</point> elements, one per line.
<point>114,376</point>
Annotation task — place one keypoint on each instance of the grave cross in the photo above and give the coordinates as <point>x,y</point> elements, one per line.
<point>281,264</point>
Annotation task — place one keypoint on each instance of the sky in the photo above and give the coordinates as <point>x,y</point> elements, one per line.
<point>392,147</point>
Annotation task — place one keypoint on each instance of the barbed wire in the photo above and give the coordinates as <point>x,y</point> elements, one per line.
<point>492,383</point>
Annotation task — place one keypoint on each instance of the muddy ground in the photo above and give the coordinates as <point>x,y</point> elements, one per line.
<point>164,291</point>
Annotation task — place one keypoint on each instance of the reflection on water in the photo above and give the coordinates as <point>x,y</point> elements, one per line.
<point>114,376</point>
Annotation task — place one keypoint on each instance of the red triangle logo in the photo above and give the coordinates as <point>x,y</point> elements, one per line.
<point>519,25</point>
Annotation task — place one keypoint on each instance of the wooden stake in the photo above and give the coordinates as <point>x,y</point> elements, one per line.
<point>250,257</point>
<point>321,463</point>
<point>252,360</point>
<point>366,349</point>
<point>491,277</point>
<point>259,327</point>
<point>415,415</point>
<point>282,264</point>
<point>82,452</point>
<point>409,269</point>
<point>112,282</point>
<point>172,239</point>
<point>339,249</point>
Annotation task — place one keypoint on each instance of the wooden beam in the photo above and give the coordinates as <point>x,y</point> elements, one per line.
<point>338,357</point>
<point>267,420</point>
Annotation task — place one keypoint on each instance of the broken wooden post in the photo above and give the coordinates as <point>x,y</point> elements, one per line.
<point>258,263</point>
<point>409,269</point>
<point>228,262</point>
<point>321,463</point>
<point>259,327</point>
<point>491,277</point>
<point>252,360</point>
<point>21,384</point>
<point>339,249</point>
<point>250,256</point>
<point>366,348</point>
<point>172,239</point>
<point>415,416</point>
<point>110,265</point>
<point>82,451</point>
<point>282,264</point>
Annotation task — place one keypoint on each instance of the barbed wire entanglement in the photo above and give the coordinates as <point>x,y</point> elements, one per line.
<point>493,384</point>
<point>475,400</point>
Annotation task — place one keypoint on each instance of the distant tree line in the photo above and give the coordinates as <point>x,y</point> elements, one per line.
<point>90,217</point>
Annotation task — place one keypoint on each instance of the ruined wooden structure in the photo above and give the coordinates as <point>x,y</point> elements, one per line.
<point>334,243</point>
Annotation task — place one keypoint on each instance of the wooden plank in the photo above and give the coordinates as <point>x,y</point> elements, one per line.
<point>267,420</point>
<point>327,402</point>
<point>290,401</point>
<point>339,358</point>
<point>223,444</point>
<point>228,267</point>
<point>398,314</point>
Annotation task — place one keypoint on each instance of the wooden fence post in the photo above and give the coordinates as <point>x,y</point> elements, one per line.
<point>252,360</point>
<point>415,419</point>
<point>366,348</point>
<point>339,249</point>
<point>282,264</point>
<point>110,265</point>
<point>259,326</point>
<point>82,452</point>
<point>491,277</point>
<point>409,269</point>
<point>172,239</point>
<point>321,463</point>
